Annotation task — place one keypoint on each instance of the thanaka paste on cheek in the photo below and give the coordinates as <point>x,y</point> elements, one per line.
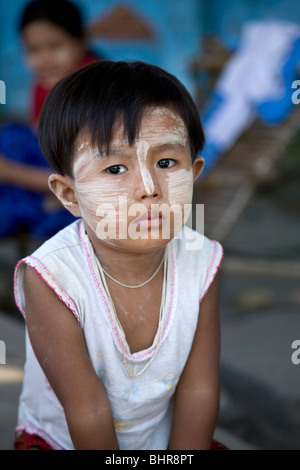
<point>99,200</point>
<point>180,194</point>
<point>180,187</point>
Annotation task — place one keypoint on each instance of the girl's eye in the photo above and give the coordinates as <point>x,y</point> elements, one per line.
<point>166,163</point>
<point>116,170</point>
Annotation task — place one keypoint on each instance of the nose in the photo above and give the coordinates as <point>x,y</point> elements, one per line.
<point>146,184</point>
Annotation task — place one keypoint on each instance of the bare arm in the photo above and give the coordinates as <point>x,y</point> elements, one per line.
<point>60,347</point>
<point>25,176</point>
<point>197,393</point>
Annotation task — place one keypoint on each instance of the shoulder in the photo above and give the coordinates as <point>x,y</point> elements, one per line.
<point>193,247</point>
<point>198,258</point>
<point>60,245</point>
<point>65,238</point>
<point>58,262</point>
<point>62,252</point>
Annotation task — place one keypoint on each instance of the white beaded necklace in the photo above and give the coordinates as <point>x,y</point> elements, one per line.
<point>134,372</point>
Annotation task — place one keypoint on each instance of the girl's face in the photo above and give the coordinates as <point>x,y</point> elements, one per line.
<point>137,197</point>
<point>50,51</point>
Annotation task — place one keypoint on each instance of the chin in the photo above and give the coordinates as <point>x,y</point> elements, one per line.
<point>133,246</point>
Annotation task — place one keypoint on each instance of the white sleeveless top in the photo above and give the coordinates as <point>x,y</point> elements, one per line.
<point>141,406</point>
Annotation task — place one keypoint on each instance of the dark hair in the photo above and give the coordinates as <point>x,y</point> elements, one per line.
<point>59,12</point>
<point>99,95</point>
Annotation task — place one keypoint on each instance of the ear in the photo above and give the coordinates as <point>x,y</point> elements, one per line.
<point>62,187</point>
<point>198,166</point>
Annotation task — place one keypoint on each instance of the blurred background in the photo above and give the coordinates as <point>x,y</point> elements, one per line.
<point>240,60</point>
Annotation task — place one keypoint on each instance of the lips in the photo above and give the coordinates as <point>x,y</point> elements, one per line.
<point>149,219</point>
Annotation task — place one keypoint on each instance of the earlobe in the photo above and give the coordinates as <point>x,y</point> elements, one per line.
<point>198,166</point>
<point>62,187</point>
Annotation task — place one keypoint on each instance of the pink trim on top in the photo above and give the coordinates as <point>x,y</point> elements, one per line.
<point>135,356</point>
<point>172,292</point>
<point>51,282</point>
<point>96,282</point>
<point>212,267</point>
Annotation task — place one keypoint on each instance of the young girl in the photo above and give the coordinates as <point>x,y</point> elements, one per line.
<point>121,309</point>
<point>53,37</point>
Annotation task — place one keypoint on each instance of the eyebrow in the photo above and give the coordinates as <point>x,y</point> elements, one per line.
<point>126,151</point>
<point>171,145</point>
<point>116,151</point>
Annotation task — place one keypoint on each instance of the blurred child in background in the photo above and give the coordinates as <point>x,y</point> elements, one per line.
<point>53,36</point>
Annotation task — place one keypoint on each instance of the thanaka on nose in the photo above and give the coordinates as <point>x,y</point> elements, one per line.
<point>142,152</point>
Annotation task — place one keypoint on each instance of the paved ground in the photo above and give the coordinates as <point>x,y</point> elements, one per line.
<point>260,314</point>
<point>11,375</point>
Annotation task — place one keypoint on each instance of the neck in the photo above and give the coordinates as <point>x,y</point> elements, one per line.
<point>126,266</point>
